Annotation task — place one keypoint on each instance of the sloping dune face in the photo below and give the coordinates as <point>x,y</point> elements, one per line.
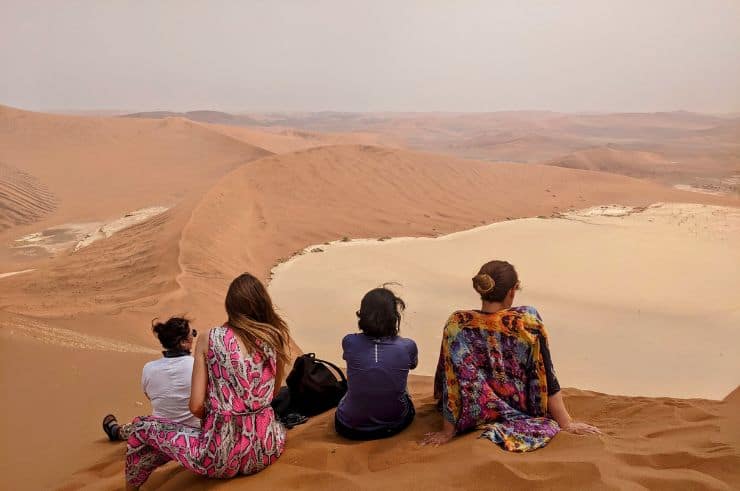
<point>704,146</point>
<point>286,140</point>
<point>130,270</point>
<point>103,167</point>
<point>627,162</point>
<point>267,210</point>
<point>23,199</point>
<point>63,177</point>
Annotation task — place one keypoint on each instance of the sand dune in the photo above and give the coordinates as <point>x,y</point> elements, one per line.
<point>625,162</point>
<point>133,268</point>
<point>23,199</point>
<point>116,164</point>
<point>285,140</point>
<point>274,207</point>
<point>203,116</point>
<point>705,145</point>
<point>648,443</point>
<point>233,206</point>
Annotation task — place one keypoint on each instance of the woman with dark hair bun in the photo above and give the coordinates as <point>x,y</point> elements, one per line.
<point>165,381</point>
<point>377,403</point>
<point>495,371</point>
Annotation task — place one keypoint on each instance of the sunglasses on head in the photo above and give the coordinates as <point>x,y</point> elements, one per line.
<point>192,333</point>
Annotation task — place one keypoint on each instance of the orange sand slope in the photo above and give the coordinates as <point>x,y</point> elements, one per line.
<point>657,443</point>
<point>73,323</point>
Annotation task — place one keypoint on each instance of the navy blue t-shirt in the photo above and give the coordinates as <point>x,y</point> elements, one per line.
<point>377,372</point>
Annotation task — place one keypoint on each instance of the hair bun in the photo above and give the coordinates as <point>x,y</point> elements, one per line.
<point>483,283</point>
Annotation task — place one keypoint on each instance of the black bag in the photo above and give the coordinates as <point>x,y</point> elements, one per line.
<point>313,387</point>
<point>281,402</point>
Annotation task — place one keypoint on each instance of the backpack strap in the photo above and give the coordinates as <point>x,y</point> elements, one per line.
<point>338,370</point>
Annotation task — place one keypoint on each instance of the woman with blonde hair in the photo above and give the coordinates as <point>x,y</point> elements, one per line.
<point>237,369</point>
<point>495,371</point>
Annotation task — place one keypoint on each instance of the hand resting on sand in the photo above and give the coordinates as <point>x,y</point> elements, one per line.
<point>556,408</point>
<point>578,428</point>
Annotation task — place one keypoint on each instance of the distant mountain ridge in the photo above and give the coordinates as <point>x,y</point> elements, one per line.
<point>202,116</point>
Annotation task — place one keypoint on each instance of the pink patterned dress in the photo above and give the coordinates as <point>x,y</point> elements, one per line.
<point>240,434</point>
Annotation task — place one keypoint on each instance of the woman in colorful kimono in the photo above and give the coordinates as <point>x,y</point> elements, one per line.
<point>236,370</point>
<point>495,372</point>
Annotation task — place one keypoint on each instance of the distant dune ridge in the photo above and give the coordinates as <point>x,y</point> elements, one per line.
<point>697,144</point>
<point>632,163</point>
<point>248,197</point>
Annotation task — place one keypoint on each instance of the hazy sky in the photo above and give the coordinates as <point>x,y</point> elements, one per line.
<point>423,55</point>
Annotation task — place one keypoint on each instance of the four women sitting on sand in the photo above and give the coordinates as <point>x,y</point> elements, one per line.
<point>494,373</point>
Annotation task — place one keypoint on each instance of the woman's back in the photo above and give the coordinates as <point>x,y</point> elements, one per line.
<point>239,415</point>
<point>166,382</point>
<point>239,381</point>
<point>377,373</point>
<point>491,372</point>
<point>491,355</point>
<point>495,370</point>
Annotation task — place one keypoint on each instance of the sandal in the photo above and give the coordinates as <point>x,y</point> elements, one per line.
<point>111,427</point>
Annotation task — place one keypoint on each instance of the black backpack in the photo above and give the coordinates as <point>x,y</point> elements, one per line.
<point>313,387</point>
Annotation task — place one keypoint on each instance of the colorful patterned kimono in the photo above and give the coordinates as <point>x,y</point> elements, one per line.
<point>491,376</point>
<point>239,435</point>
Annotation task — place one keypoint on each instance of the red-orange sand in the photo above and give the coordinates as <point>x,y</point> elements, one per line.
<point>74,330</point>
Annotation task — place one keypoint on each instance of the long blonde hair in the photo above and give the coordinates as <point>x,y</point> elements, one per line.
<point>253,317</point>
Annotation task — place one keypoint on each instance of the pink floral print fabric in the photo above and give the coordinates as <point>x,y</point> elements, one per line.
<point>240,434</point>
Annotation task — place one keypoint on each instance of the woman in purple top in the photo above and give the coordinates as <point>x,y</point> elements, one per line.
<point>377,404</point>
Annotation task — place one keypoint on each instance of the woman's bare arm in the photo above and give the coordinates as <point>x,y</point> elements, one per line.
<point>558,411</point>
<point>199,385</point>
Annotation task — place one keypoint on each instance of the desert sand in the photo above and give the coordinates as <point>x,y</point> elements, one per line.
<point>74,324</point>
<point>618,289</point>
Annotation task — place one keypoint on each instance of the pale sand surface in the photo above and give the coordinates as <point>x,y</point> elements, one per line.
<point>696,189</point>
<point>13,273</point>
<point>643,304</point>
<point>74,330</point>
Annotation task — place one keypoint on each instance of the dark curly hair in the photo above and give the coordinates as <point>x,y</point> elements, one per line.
<point>172,331</point>
<point>380,313</point>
